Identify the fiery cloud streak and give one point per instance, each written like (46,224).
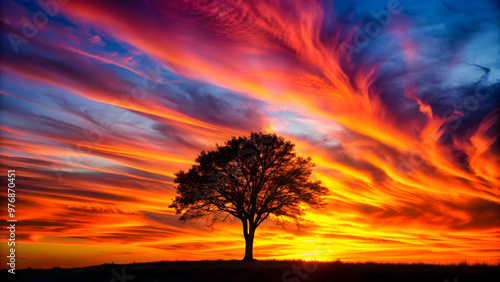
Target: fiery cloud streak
(402,124)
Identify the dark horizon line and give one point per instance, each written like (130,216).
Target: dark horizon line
(338,261)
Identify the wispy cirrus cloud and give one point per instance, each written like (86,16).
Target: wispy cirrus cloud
(404,132)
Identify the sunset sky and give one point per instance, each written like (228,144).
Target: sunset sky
(397,102)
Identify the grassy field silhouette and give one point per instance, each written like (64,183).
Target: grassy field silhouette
(268,270)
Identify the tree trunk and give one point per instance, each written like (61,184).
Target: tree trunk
(248,248)
(249,243)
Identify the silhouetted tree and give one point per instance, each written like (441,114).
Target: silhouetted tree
(251,178)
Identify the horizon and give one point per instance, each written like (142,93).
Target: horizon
(396,102)
(337,261)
